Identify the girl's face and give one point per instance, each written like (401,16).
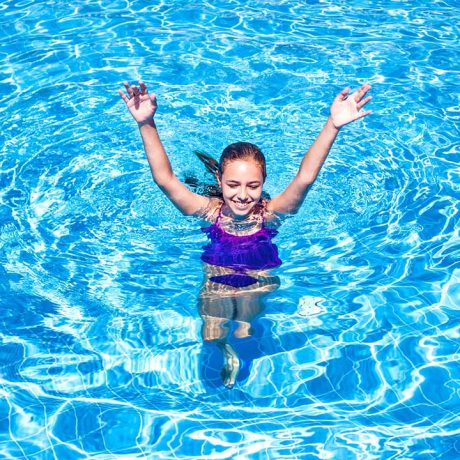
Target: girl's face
(241,183)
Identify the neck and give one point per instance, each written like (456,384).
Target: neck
(227,212)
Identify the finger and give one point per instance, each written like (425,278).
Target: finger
(343,94)
(143,87)
(136,96)
(363,114)
(364,102)
(129,89)
(123,95)
(361,92)
(153,100)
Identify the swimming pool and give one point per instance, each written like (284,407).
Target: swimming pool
(355,355)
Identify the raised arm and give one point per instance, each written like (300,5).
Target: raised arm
(344,110)
(142,107)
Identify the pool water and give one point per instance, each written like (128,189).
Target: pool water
(354,356)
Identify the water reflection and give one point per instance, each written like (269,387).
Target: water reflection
(229,301)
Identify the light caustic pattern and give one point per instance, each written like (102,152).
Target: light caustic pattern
(355,356)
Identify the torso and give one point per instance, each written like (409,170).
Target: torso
(241,246)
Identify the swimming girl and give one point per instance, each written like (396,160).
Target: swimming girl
(240,253)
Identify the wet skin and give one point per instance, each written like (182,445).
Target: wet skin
(241,183)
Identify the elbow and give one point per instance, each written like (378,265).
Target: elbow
(186,211)
(292,210)
(306,180)
(163,180)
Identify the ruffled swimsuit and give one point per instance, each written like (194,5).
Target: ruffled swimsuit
(240,253)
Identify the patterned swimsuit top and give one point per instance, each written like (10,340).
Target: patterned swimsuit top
(255,251)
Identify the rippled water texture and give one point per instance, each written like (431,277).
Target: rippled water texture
(356,354)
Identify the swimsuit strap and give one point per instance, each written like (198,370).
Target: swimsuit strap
(219,215)
(263,205)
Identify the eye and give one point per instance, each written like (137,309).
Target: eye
(254,187)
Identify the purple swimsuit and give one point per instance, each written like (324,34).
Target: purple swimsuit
(241,253)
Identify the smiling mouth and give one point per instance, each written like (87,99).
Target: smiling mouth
(240,205)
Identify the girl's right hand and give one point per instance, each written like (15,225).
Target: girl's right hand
(140,103)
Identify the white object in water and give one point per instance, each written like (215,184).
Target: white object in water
(310,306)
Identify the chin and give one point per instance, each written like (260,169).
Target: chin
(242,212)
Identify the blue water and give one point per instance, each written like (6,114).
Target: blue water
(355,356)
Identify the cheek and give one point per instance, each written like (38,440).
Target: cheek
(255,193)
(227,191)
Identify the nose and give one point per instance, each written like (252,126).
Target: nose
(243,195)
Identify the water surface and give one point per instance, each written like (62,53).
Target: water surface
(355,355)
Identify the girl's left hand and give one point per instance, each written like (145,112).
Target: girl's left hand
(346,109)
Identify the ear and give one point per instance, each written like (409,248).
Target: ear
(219,179)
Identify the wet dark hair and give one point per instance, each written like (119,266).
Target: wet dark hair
(236,151)
(242,151)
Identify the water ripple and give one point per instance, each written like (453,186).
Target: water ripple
(355,355)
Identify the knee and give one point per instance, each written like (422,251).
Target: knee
(243,330)
(214,329)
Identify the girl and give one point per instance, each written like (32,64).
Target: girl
(238,259)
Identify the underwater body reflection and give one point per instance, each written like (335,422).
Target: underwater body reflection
(227,310)
(237,276)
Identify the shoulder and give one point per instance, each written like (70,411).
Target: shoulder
(210,210)
(271,218)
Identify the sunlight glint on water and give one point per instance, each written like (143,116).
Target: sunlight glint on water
(355,355)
